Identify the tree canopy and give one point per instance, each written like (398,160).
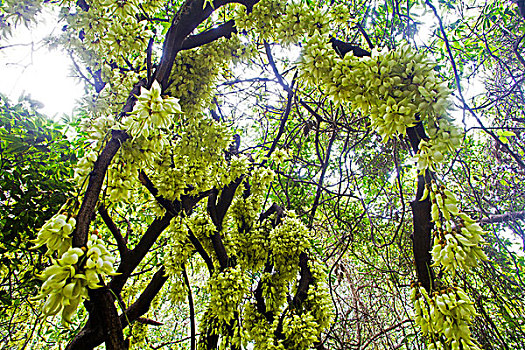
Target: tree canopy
(263,174)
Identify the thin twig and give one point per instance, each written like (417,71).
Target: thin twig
(192,307)
(121,242)
(460,91)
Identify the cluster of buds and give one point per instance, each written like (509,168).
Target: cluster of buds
(227,289)
(318,60)
(55,234)
(119,181)
(428,154)
(446,136)
(444,316)
(444,204)
(98,129)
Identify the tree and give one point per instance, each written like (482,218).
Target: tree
(267,243)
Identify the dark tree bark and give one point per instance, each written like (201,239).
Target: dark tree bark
(422,219)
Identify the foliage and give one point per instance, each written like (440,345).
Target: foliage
(36,158)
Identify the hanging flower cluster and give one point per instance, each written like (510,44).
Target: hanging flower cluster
(457,238)
(151,112)
(287,241)
(227,290)
(84,166)
(64,285)
(112,37)
(298,330)
(443,139)
(395,88)
(67,280)
(446,314)
(97,130)
(301,326)
(56,234)
(195,72)
(444,317)
(252,243)
(288,22)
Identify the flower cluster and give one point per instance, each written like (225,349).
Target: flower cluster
(66,281)
(263,19)
(300,330)
(445,317)
(445,314)
(288,23)
(84,166)
(98,129)
(227,290)
(443,138)
(111,37)
(318,60)
(301,326)
(99,261)
(396,88)
(55,234)
(64,285)
(287,241)
(252,245)
(457,238)
(151,112)
(319,301)
(195,160)
(120,183)
(195,71)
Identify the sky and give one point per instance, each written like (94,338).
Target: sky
(28,67)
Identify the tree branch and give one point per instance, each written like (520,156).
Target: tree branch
(200,249)
(135,256)
(171,207)
(121,242)
(104,314)
(96,178)
(342,48)
(192,308)
(274,68)
(141,306)
(282,125)
(422,219)
(216,239)
(304,282)
(149,321)
(91,337)
(321,178)
(224,30)
(499,218)
(190,15)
